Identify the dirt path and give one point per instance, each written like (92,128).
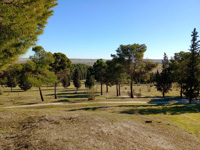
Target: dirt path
(105,102)
(72,104)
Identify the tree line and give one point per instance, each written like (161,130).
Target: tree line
(21,22)
(184,69)
(128,66)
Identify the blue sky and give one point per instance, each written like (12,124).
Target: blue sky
(96,28)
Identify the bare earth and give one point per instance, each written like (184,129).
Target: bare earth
(79,129)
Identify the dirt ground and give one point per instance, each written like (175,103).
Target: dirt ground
(80,128)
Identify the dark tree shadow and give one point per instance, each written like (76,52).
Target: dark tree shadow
(14,91)
(74,96)
(90,108)
(171,109)
(29,103)
(61,101)
(73,90)
(71,95)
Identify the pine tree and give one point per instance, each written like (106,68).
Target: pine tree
(164,79)
(39,70)
(193,69)
(66,81)
(99,71)
(12,75)
(89,79)
(60,67)
(21,22)
(178,65)
(76,79)
(130,56)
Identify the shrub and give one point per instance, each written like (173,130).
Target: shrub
(25,84)
(91,94)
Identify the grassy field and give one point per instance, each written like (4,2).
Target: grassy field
(108,122)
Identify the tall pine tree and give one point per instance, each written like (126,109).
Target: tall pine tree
(99,71)
(164,79)
(90,81)
(76,79)
(178,66)
(130,56)
(192,82)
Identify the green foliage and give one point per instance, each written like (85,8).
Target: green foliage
(21,21)
(178,65)
(164,79)
(66,81)
(115,72)
(82,69)
(11,75)
(40,73)
(144,70)
(76,79)
(91,94)
(41,58)
(131,56)
(61,65)
(24,83)
(192,80)
(99,68)
(2,80)
(90,81)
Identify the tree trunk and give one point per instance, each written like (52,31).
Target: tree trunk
(190,100)
(181,93)
(190,95)
(41,94)
(101,88)
(119,90)
(163,93)
(55,91)
(106,88)
(131,86)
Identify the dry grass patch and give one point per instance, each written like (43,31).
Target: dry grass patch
(89,127)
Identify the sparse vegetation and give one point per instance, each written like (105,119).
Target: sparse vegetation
(102,123)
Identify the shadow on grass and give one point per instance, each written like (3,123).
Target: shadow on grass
(29,103)
(171,109)
(61,101)
(67,93)
(14,91)
(74,90)
(90,108)
(71,95)
(74,96)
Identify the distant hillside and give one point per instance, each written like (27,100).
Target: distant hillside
(88,62)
